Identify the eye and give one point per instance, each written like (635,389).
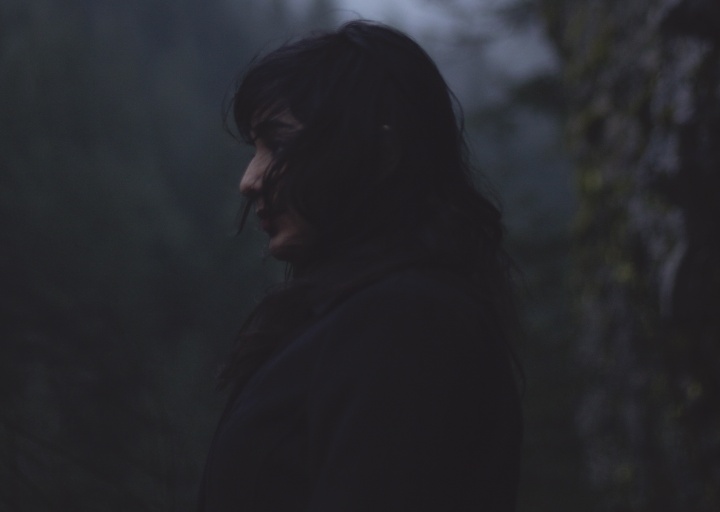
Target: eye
(276,145)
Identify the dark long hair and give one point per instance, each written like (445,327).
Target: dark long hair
(378,167)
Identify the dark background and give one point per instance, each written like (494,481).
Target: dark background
(122,283)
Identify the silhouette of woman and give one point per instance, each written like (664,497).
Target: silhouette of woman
(378,377)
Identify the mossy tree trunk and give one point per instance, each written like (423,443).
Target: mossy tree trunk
(643,79)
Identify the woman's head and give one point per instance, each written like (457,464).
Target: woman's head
(357,138)
(360,167)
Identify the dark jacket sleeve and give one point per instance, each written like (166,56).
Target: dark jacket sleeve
(412,407)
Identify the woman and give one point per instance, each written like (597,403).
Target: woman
(378,378)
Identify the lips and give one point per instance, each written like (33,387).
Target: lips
(264,218)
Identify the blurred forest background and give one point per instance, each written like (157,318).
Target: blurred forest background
(122,283)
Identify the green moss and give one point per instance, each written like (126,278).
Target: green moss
(625,473)
(590,35)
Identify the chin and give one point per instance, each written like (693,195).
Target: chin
(287,252)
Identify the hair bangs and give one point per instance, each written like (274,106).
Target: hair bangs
(256,99)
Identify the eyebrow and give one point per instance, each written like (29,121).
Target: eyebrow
(267,128)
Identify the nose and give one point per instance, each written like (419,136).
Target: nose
(251,182)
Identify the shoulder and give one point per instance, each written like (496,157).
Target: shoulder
(418,294)
(410,322)
(415,340)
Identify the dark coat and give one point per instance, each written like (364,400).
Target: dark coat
(400,398)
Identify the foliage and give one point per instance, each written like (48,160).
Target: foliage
(120,289)
(645,112)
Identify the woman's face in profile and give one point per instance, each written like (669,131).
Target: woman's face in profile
(289,234)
